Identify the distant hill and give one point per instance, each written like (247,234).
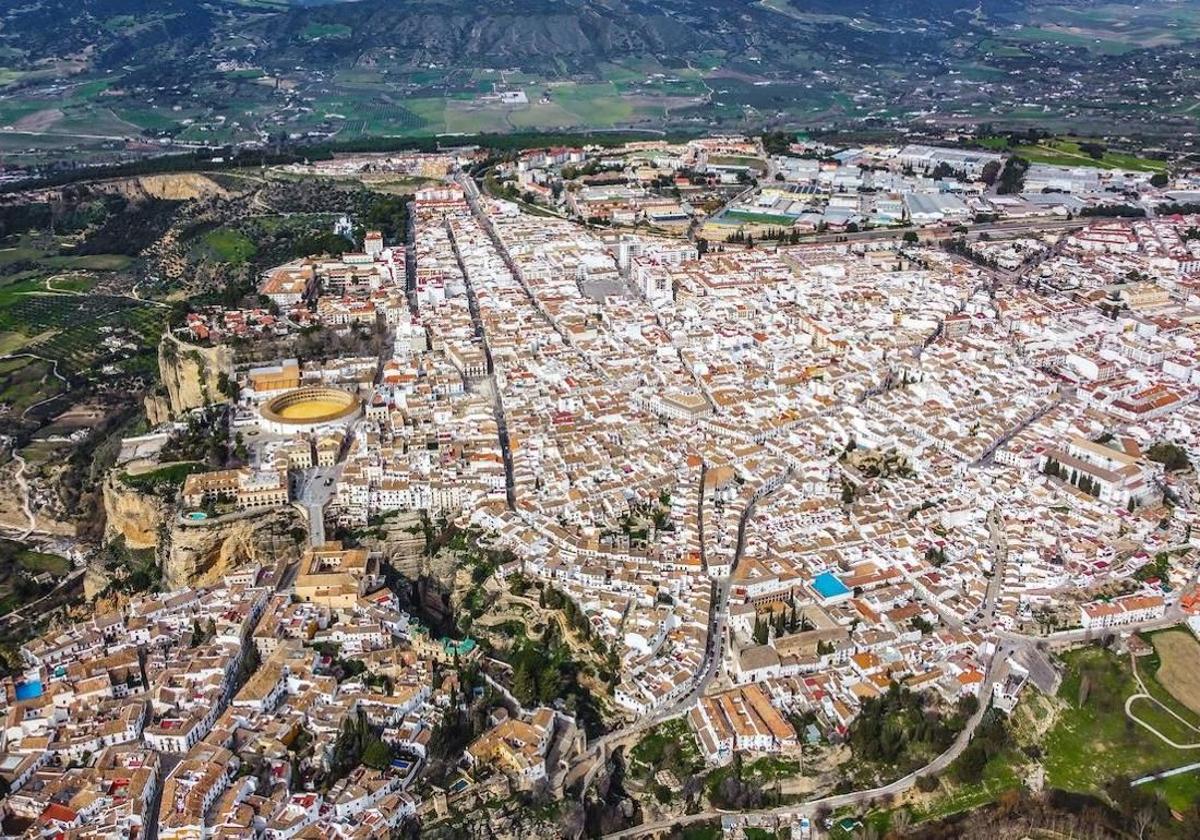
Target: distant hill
(556,36)
(103,72)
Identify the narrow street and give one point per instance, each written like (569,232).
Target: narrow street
(999,545)
(489,385)
(708,671)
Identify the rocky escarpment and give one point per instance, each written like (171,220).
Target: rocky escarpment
(138,517)
(191,553)
(199,554)
(158,410)
(180,186)
(193,376)
(508,821)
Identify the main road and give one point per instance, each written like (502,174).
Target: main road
(313,489)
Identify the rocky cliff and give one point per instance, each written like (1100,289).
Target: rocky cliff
(199,554)
(158,410)
(191,374)
(96,580)
(138,517)
(178,186)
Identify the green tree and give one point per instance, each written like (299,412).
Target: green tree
(1172,456)
(1012,177)
(377,754)
(523,685)
(761,630)
(226,386)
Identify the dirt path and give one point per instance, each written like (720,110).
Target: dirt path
(52,362)
(76,293)
(23,492)
(1143,694)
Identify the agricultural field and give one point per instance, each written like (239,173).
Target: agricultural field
(25,382)
(79,346)
(53,305)
(719,66)
(318,31)
(1179,666)
(360,115)
(1071,37)
(1066,151)
(454,104)
(227,245)
(1118,26)
(592,104)
(89,262)
(77,283)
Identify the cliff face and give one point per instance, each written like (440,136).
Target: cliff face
(135,516)
(179,187)
(158,410)
(192,374)
(193,554)
(198,555)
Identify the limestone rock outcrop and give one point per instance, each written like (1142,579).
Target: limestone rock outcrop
(158,410)
(192,375)
(136,516)
(96,580)
(181,186)
(198,554)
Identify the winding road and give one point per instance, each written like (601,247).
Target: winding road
(1009,643)
(842,800)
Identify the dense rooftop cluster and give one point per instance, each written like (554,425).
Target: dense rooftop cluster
(770,483)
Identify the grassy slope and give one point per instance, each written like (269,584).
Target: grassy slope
(1066,152)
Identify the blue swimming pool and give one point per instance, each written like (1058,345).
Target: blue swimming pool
(828,586)
(30,690)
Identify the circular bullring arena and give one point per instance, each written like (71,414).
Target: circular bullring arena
(309,409)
